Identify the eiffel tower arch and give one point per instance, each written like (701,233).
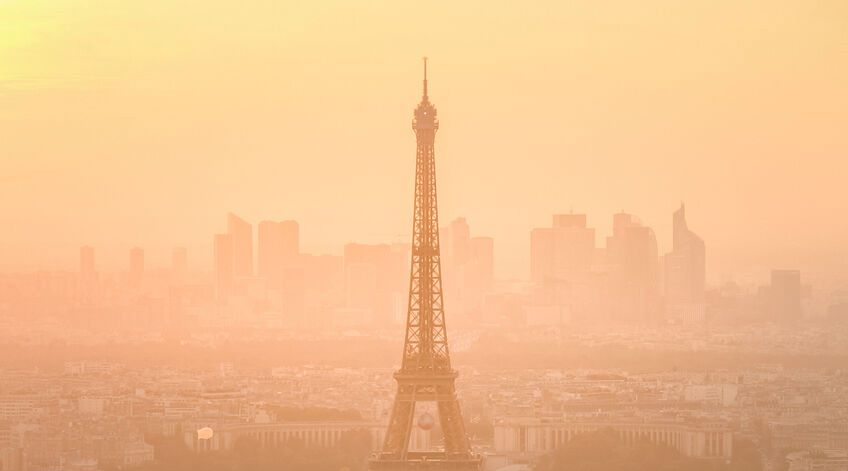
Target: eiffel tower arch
(425,374)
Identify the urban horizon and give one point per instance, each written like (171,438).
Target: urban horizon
(202,260)
(710,335)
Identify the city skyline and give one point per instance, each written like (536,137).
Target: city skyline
(572,281)
(634,117)
(202,259)
(252,251)
(822,264)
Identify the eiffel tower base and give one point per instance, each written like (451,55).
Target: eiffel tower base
(424,461)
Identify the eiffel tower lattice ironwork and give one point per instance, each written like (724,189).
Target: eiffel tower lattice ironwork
(425,374)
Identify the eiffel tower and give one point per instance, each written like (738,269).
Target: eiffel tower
(425,374)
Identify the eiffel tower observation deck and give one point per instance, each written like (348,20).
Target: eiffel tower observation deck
(425,375)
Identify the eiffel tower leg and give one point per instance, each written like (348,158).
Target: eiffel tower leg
(400,425)
(453,428)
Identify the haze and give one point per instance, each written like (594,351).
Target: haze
(222,245)
(142,123)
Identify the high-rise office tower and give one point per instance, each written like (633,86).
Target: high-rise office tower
(563,251)
(634,264)
(280,263)
(561,266)
(469,263)
(223,260)
(278,248)
(542,254)
(136,265)
(241,233)
(685,272)
(425,374)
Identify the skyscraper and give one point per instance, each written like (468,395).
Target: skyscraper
(278,248)
(562,251)
(685,273)
(470,264)
(634,270)
(241,233)
(280,263)
(561,261)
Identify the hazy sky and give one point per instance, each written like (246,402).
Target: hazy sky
(142,123)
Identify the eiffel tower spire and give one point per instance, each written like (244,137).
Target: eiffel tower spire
(424,97)
(425,374)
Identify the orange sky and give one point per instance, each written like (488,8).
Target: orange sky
(143,123)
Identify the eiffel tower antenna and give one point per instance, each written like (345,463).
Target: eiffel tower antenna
(425,78)
(425,374)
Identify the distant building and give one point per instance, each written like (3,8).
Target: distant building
(323,286)
(563,262)
(634,270)
(136,265)
(467,268)
(279,262)
(12,458)
(724,395)
(521,439)
(818,460)
(278,250)
(784,295)
(126,453)
(685,273)
(241,233)
(223,260)
(179,262)
(838,312)
(280,435)
(374,276)
(323,273)
(563,251)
